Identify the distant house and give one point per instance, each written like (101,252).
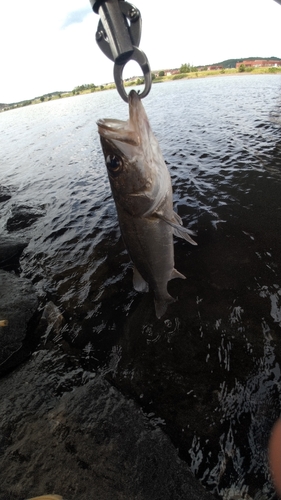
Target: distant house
(214,67)
(259,63)
(209,68)
(169,72)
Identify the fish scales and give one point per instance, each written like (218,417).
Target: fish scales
(142,190)
(148,244)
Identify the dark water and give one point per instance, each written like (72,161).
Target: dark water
(208,372)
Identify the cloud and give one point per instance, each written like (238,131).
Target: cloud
(76,16)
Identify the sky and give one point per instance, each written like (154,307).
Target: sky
(50,46)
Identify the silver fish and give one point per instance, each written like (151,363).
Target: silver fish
(142,190)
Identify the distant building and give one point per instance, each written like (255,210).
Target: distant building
(214,67)
(169,72)
(259,63)
(209,68)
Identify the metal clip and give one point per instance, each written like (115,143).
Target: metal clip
(118,36)
(119,29)
(142,60)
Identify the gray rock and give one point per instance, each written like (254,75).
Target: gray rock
(18,303)
(90,443)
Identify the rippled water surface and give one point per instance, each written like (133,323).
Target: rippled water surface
(208,372)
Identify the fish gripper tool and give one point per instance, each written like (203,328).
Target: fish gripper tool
(118,36)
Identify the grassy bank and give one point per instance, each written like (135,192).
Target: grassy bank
(139,81)
(222,72)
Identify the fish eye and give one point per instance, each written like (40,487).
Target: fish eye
(114,163)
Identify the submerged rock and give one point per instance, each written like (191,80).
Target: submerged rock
(23,216)
(18,303)
(89,443)
(5,194)
(10,252)
(51,322)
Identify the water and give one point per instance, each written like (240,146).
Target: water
(208,372)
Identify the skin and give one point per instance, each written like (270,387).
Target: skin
(274,452)
(47,497)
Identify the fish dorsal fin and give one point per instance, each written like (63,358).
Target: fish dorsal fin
(176,274)
(139,283)
(176,224)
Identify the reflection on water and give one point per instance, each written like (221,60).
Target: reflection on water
(208,372)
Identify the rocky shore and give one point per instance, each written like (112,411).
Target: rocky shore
(64,430)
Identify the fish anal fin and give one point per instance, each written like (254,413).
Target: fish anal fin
(176,274)
(161,305)
(140,285)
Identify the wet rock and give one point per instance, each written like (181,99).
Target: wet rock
(89,443)
(18,302)
(5,194)
(10,252)
(23,216)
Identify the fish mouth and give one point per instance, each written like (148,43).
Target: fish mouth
(117,130)
(129,131)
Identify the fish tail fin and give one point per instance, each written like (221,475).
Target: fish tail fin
(162,303)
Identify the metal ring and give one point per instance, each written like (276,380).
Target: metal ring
(142,60)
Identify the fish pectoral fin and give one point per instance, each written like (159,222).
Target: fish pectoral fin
(177,218)
(176,274)
(161,305)
(179,230)
(182,232)
(140,285)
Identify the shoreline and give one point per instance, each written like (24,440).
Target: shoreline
(163,79)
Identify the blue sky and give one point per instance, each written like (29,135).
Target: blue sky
(49,46)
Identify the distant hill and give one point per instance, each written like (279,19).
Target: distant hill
(29,101)
(231,63)
(51,94)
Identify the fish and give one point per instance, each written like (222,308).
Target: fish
(142,190)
